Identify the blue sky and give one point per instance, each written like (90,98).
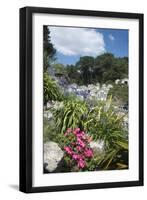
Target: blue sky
(71,43)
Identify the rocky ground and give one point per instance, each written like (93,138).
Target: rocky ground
(53,155)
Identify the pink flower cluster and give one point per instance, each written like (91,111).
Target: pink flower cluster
(77,147)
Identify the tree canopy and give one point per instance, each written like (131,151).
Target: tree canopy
(103,68)
(48,48)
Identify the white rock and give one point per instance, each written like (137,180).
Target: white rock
(110,86)
(52,156)
(97,146)
(70,90)
(48,114)
(49,104)
(125,81)
(117,81)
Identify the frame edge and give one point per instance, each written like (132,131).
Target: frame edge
(25,169)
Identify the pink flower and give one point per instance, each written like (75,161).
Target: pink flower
(89,138)
(73,143)
(80,142)
(81,163)
(79,148)
(88,153)
(74,132)
(80,135)
(75,156)
(83,137)
(69,130)
(68,150)
(77,130)
(66,133)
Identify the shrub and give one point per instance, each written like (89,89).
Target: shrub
(51,89)
(77,149)
(103,123)
(70,114)
(119,93)
(116,157)
(49,130)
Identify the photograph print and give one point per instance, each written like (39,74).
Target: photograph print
(85,99)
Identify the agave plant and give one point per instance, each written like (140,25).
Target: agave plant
(116,157)
(51,89)
(70,114)
(104,124)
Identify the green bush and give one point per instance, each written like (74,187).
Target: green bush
(49,130)
(70,114)
(119,93)
(51,89)
(104,124)
(116,157)
(101,122)
(51,133)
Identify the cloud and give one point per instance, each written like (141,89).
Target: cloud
(77,41)
(111,37)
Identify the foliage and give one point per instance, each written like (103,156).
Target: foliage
(59,69)
(104,68)
(100,123)
(119,93)
(104,124)
(70,115)
(48,49)
(77,149)
(116,157)
(108,68)
(86,64)
(49,130)
(96,120)
(74,74)
(51,89)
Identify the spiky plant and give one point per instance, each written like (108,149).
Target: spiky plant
(70,114)
(51,89)
(104,124)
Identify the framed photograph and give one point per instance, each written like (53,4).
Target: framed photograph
(81,99)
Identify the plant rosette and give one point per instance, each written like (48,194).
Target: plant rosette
(77,149)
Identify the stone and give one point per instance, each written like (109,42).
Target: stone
(102,95)
(47,114)
(97,146)
(52,156)
(117,81)
(110,86)
(125,81)
(48,105)
(70,90)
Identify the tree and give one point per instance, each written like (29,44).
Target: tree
(74,74)
(48,48)
(86,64)
(59,69)
(103,66)
(108,68)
